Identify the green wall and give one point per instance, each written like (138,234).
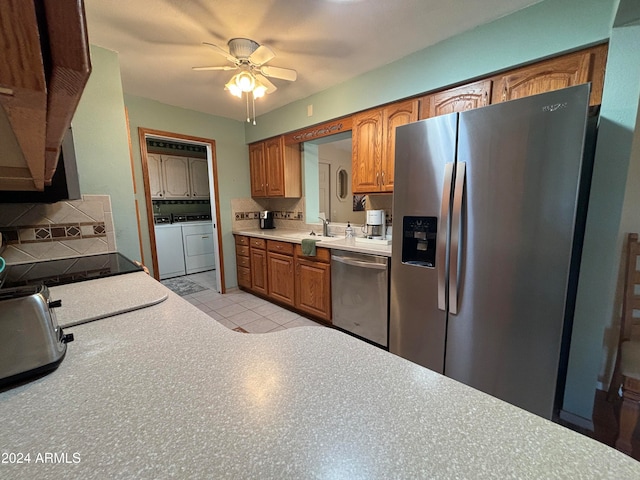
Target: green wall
(542,30)
(231,155)
(102,152)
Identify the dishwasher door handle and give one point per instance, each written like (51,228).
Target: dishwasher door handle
(359,263)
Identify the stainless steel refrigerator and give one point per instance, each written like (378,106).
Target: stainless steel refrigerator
(488,218)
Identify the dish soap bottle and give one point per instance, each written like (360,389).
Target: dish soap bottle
(348,232)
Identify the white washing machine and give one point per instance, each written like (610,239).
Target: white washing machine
(169,248)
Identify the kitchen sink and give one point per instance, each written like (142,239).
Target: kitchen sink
(302,235)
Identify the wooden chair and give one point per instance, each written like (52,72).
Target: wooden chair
(627,369)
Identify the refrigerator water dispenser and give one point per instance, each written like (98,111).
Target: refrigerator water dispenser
(419,241)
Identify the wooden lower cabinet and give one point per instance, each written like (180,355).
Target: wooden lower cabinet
(278,271)
(243,261)
(313,284)
(259,280)
(281,284)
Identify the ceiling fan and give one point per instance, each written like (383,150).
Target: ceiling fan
(250,57)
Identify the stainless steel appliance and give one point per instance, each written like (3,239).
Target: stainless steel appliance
(489,210)
(31,342)
(266,220)
(359,294)
(375,224)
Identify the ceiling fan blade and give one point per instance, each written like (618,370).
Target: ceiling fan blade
(281,73)
(261,55)
(224,67)
(222,52)
(265,81)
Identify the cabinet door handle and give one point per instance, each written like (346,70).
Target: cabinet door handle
(383,178)
(377,180)
(206,236)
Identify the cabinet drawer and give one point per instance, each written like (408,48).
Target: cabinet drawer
(258,243)
(241,240)
(244,277)
(322,254)
(243,261)
(285,248)
(242,251)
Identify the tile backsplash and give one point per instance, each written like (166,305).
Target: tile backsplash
(35,232)
(287,212)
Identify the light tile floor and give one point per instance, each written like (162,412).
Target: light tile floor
(241,309)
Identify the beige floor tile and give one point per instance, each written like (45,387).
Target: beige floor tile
(253,303)
(241,319)
(217,303)
(267,309)
(230,310)
(301,322)
(204,307)
(207,295)
(281,317)
(225,321)
(277,329)
(262,325)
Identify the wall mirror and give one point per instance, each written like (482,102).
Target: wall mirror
(327,180)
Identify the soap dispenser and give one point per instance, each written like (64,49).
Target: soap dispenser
(348,232)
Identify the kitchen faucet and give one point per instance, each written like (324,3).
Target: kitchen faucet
(325,226)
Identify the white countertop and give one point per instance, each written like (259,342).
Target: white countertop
(167,392)
(338,243)
(99,298)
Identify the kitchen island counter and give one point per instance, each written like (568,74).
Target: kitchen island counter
(165,391)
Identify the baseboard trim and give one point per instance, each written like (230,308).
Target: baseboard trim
(577,420)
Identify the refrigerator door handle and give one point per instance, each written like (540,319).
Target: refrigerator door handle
(441,245)
(456,232)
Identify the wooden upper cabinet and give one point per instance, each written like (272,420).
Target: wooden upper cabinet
(256,167)
(276,169)
(274,172)
(561,72)
(373,145)
(458,99)
(394,116)
(366,151)
(44,67)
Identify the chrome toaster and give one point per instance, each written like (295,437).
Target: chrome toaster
(31,341)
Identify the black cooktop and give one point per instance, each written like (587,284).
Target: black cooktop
(69,270)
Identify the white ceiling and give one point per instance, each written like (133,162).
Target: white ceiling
(326,41)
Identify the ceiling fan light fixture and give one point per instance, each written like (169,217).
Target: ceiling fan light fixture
(233,87)
(245,81)
(259,90)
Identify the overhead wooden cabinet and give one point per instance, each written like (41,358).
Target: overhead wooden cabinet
(44,68)
(373,145)
(553,74)
(458,99)
(276,169)
(313,283)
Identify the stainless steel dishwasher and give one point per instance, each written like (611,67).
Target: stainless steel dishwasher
(360,294)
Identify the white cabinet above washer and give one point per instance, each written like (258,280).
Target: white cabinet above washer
(175,177)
